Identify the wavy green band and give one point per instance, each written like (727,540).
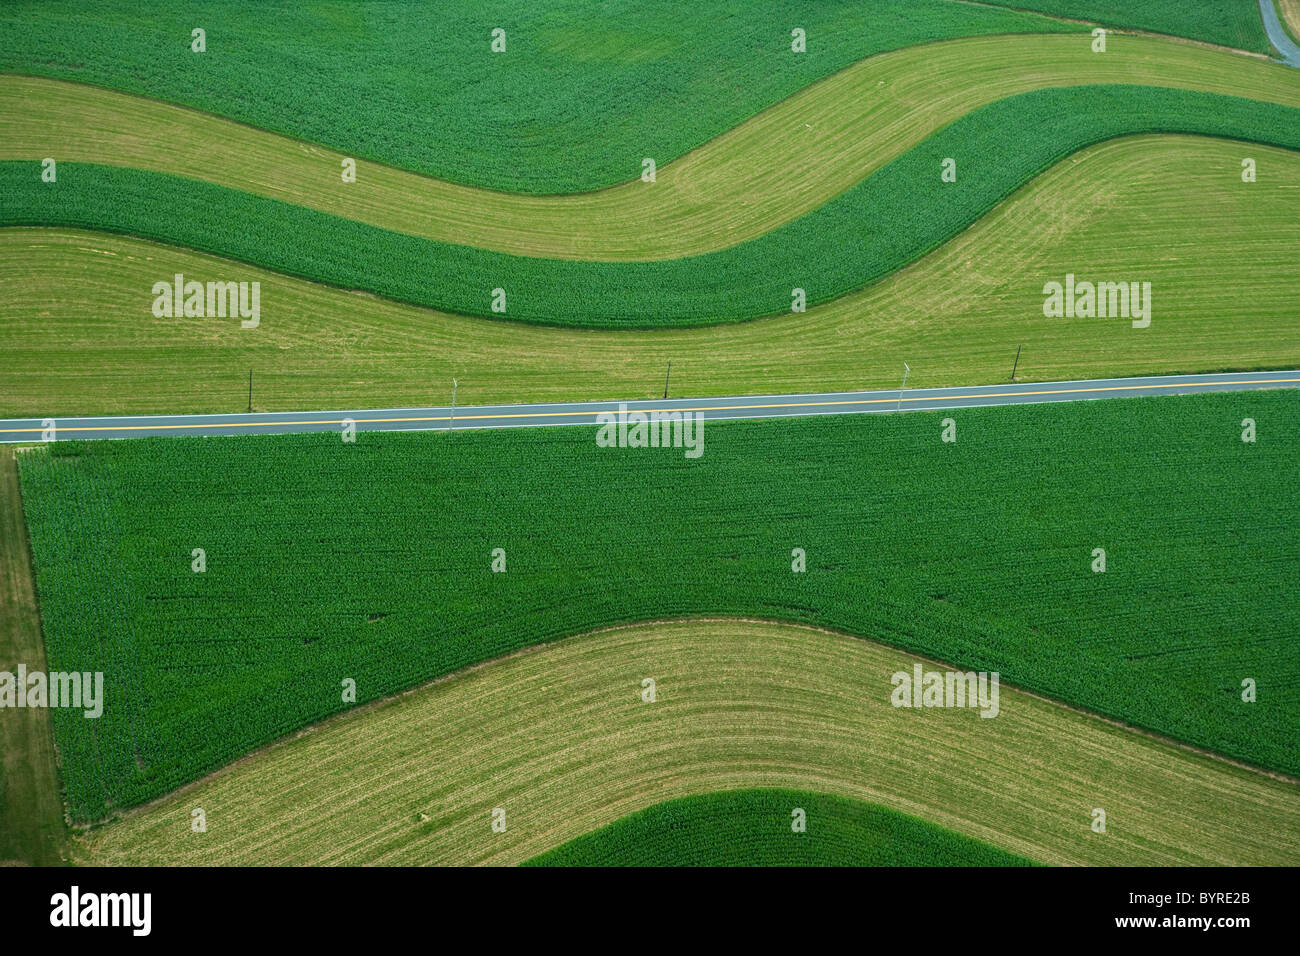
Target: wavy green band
(886,221)
(757,828)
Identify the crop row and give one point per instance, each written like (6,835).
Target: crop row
(373,561)
(579,88)
(888,220)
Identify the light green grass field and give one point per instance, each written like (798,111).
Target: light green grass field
(890,219)
(1233,23)
(203,669)
(80,337)
(771,169)
(581,94)
(1290,11)
(560,739)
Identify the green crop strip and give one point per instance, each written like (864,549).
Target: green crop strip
(888,220)
(1234,23)
(560,738)
(755,828)
(327,560)
(766,172)
(80,340)
(574,103)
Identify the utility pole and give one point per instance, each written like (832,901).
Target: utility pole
(667,377)
(1017,365)
(250,391)
(906,369)
(454,385)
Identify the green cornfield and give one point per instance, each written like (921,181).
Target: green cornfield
(373,561)
(827,253)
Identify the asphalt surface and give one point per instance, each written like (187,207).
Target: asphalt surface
(585,413)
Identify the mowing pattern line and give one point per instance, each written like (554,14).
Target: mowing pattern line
(564,744)
(827,253)
(82,339)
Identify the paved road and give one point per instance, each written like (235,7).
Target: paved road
(584,413)
(1278,35)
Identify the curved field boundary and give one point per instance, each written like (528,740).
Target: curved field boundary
(32,828)
(755,827)
(573,104)
(890,219)
(770,170)
(1290,14)
(80,339)
(1230,23)
(560,739)
(1286,47)
(953,550)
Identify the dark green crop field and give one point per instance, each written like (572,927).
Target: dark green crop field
(373,561)
(573,103)
(755,828)
(1234,23)
(889,219)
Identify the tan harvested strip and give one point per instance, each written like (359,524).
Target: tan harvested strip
(560,739)
(32,829)
(777,166)
(79,337)
(470,417)
(1290,10)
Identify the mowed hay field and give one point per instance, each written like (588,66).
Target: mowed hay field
(772,827)
(828,253)
(768,171)
(572,104)
(80,337)
(560,739)
(32,830)
(369,567)
(374,560)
